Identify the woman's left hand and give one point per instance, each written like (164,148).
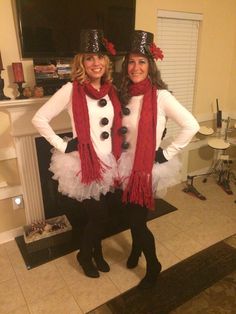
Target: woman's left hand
(159,157)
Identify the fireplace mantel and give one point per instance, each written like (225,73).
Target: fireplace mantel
(21,113)
(23,132)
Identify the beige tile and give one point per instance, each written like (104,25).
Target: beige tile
(125,278)
(11,297)
(182,219)
(227,209)
(60,301)
(17,262)
(117,247)
(194,226)
(20,310)
(11,247)
(163,230)
(208,234)
(90,293)
(165,256)
(182,245)
(69,268)
(7,271)
(40,281)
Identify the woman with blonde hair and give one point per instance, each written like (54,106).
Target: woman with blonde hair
(85,166)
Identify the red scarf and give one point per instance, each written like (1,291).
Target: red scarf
(92,167)
(139,187)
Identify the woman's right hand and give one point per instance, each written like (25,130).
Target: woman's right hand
(72,145)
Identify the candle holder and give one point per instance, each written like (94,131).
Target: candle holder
(2,96)
(20,90)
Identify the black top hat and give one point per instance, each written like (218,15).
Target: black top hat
(142,43)
(93,41)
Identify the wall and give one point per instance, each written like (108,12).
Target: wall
(215,70)
(217,50)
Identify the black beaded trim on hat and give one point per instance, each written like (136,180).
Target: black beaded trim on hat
(141,41)
(91,41)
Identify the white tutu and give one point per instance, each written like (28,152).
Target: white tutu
(67,171)
(164,175)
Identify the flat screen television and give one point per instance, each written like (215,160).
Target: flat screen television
(51,28)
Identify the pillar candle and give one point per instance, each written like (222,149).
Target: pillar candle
(1,65)
(18,72)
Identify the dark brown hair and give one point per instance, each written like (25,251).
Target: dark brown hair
(153,73)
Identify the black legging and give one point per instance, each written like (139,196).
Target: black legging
(141,235)
(97,216)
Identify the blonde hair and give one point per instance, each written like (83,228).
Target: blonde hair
(78,71)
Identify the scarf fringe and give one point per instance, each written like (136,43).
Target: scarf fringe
(91,166)
(139,190)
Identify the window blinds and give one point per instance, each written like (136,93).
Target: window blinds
(178,38)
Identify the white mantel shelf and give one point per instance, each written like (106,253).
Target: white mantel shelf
(14,103)
(23,132)
(22,111)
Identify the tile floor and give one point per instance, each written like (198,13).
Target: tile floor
(60,286)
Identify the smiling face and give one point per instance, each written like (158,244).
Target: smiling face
(137,67)
(95,67)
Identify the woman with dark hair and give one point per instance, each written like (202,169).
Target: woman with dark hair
(144,166)
(85,166)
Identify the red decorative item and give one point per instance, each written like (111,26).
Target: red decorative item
(18,72)
(156,52)
(109,46)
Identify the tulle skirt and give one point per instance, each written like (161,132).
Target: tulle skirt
(164,175)
(66,169)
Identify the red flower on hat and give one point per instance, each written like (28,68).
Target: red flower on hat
(109,46)
(156,52)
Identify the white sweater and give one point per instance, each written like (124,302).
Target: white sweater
(167,108)
(62,100)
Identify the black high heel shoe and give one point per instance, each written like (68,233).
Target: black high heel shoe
(88,267)
(132,261)
(100,262)
(150,279)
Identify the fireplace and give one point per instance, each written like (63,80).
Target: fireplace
(41,198)
(25,137)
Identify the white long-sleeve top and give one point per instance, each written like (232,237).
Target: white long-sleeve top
(62,100)
(168,107)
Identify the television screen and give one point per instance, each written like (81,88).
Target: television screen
(51,28)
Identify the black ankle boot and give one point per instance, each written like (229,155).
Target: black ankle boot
(150,279)
(88,267)
(132,261)
(100,262)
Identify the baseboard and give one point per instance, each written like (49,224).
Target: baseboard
(10,235)
(199,171)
